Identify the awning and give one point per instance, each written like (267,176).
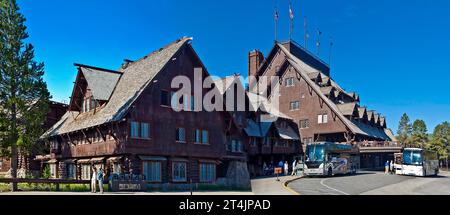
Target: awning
(152,158)
(97,160)
(179,159)
(288,133)
(70,161)
(83,161)
(52,161)
(114,159)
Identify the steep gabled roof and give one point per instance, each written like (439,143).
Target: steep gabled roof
(348,108)
(287,133)
(257,129)
(258,102)
(101,82)
(327,90)
(362,111)
(135,78)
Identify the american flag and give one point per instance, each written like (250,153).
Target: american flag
(276,14)
(291,13)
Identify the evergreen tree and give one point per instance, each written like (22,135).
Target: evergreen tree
(419,136)
(23,92)
(440,141)
(404,129)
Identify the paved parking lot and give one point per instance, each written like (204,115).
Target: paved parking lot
(373,183)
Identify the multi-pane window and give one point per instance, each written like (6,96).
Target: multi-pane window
(165,98)
(86,171)
(201,136)
(180,135)
(205,137)
(140,130)
(179,171)
(207,172)
(116,168)
(89,103)
(322,118)
(152,170)
(71,170)
(145,127)
(289,82)
(304,123)
(294,105)
(236,146)
(134,129)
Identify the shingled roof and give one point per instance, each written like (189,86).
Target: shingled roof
(135,78)
(356,127)
(101,82)
(347,108)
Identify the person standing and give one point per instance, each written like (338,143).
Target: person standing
(391,167)
(286,168)
(100,178)
(386,167)
(294,165)
(94,180)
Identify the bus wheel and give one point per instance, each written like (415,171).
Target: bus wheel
(330,172)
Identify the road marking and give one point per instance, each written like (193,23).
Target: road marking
(285,185)
(322,183)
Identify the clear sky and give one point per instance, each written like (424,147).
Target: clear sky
(395,54)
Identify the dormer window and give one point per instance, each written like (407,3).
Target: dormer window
(89,104)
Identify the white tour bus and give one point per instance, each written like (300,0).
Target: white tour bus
(329,158)
(417,162)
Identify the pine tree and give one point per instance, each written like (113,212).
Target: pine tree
(404,129)
(419,136)
(440,141)
(23,92)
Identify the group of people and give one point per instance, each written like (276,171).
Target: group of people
(97,176)
(269,169)
(389,167)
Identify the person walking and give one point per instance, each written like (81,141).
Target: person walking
(100,178)
(294,165)
(286,168)
(94,180)
(386,167)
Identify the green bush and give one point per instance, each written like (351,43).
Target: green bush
(46,174)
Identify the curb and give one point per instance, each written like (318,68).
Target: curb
(285,185)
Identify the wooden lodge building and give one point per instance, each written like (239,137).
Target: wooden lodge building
(123,121)
(322,109)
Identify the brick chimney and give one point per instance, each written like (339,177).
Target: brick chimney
(255,59)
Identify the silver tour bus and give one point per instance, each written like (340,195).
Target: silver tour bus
(329,158)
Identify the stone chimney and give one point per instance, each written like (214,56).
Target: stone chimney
(255,59)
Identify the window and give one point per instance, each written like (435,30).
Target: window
(322,118)
(304,123)
(192,103)
(152,170)
(307,140)
(198,136)
(207,172)
(289,82)
(165,98)
(179,171)
(86,171)
(295,105)
(145,128)
(116,168)
(71,170)
(253,141)
(236,146)
(180,135)
(134,129)
(205,137)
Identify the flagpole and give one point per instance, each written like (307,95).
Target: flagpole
(306,32)
(291,18)
(331,46)
(318,42)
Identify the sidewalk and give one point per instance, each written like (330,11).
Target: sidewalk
(269,186)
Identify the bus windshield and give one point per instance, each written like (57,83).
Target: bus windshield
(315,152)
(412,157)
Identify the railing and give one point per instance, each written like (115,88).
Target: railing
(378,144)
(57,182)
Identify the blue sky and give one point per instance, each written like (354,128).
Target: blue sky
(395,54)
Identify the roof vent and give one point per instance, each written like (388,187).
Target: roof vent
(126,62)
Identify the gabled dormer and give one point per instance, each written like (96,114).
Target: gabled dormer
(92,88)
(349,110)
(371,117)
(363,114)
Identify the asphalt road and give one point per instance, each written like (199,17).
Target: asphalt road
(373,183)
